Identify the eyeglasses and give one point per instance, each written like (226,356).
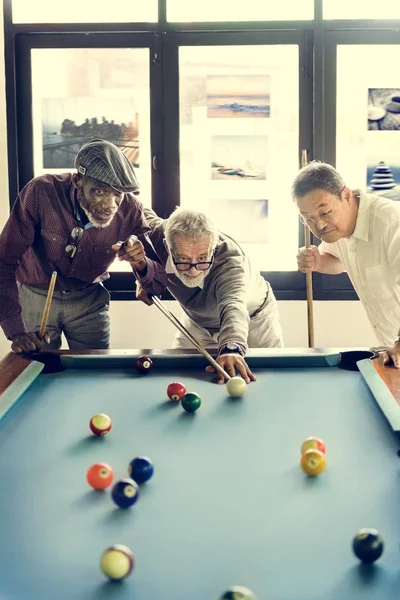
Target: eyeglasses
(76,235)
(199,266)
(325,216)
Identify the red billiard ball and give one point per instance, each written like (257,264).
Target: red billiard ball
(100,424)
(176,391)
(144,364)
(100,476)
(313,443)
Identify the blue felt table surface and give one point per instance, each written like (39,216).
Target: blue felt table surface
(228,503)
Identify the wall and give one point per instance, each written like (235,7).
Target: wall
(134,325)
(337,324)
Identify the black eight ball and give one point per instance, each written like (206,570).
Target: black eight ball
(368,545)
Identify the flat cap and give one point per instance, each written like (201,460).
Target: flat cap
(104,161)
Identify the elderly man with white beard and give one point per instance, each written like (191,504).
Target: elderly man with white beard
(74,224)
(227,305)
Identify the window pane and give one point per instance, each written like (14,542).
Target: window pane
(251,10)
(88,11)
(239,116)
(91,93)
(345,9)
(368,118)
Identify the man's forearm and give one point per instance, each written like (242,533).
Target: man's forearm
(154,279)
(330,265)
(234,325)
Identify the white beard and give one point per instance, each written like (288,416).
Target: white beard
(189,282)
(94,221)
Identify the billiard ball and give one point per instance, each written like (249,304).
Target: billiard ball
(176,391)
(313,443)
(100,424)
(191,402)
(117,562)
(144,364)
(238,592)
(141,469)
(125,492)
(313,462)
(368,545)
(100,476)
(236,387)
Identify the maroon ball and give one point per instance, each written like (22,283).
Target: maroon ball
(144,364)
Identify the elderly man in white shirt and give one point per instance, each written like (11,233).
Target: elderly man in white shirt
(360,234)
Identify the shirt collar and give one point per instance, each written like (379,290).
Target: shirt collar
(169,269)
(361,230)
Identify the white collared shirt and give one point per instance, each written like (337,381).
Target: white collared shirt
(371,257)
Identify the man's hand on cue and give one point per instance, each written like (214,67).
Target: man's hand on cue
(132,250)
(393,354)
(142,295)
(27,342)
(232,363)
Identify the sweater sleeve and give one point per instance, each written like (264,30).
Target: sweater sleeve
(231,284)
(15,239)
(154,282)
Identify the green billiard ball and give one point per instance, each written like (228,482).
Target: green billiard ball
(191,402)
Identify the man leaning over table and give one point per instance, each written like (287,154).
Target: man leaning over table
(228,306)
(74,224)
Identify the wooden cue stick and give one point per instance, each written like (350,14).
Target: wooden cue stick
(46,310)
(187,333)
(309,284)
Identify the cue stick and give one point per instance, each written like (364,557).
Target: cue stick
(309,284)
(189,336)
(46,310)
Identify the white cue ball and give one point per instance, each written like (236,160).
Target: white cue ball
(236,387)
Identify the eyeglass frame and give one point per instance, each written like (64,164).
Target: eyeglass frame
(313,220)
(194,265)
(76,234)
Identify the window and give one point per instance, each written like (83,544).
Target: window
(368,118)
(239,136)
(360,9)
(93,92)
(213,101)
(88,11)
(251,10)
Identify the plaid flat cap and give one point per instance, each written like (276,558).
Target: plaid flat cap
(102,160)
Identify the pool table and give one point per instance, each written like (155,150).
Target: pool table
(228,503)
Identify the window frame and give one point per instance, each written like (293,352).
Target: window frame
(317,124)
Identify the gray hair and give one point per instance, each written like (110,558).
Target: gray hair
(190,224)
(317,176)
